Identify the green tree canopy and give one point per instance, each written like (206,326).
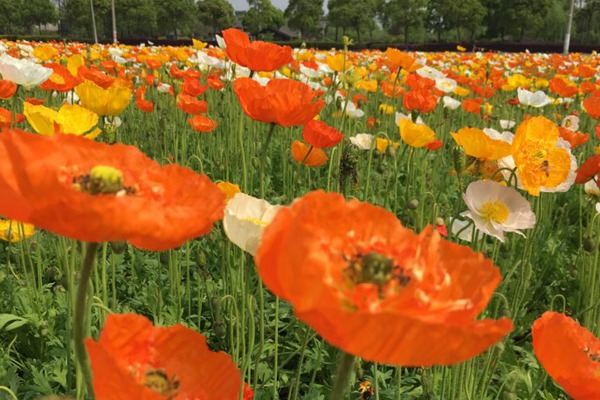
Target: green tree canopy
(262,15)
(304,15)
(218,14)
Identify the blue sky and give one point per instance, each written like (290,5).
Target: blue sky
(282,4)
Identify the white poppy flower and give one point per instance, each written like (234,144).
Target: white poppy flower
(450,103)
(507,124)
(245,219)
(464,230)
(352,111)
(23,72)
(400,116)
(445,85)
(221,42)
(495,209)
(571,122)
(533,99)
(363,141)
(591,188)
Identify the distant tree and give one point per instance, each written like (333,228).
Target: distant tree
(218,14)
(459,15)
(175,16)
(304,15)
(357,14)
(398,16)
(262,15)
(10,16)
(515,17)
(434,20)
(135,18)
(77,18)
(37,13)
(586,21)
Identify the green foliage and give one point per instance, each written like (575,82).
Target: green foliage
(262,15)
(218,14)
(304,15)
(357,14)
(398,16)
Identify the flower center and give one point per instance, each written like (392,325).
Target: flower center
(256,221)
(158,381)
(495,211)
(376,269)
(102,180)
(57,78)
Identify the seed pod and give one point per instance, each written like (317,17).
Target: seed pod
(413,204)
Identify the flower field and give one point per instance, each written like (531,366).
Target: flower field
(255,221)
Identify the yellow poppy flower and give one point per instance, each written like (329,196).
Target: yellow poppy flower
(416,135)
(386,109)
(74,62)
(336,62)
(14,231)
(111,101)
(368,85)
(199,44)
(70,119)
(478,144)
(543,162)
(382,144)
(461,91)
(45,52)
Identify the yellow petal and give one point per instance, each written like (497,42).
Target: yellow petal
(40,118)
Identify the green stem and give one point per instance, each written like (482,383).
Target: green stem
(342,377)
(80,314)
(263,156)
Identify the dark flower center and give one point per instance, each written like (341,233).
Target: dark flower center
(376,269)
(158,381)
(102,180)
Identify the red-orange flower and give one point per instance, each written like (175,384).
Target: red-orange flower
(285,102)
(374,288)
(319,134)
(141,102)
(7,89)
(193,87)
(472,105)
(135,360)
(258,56)
(201,123)
(311,157)
(421,100)
(215,82)
(191,105)
(6,118)
(575,139)
(592,106)
(569,353)
(94,192)
(61,80)
(95,75)
(589,169)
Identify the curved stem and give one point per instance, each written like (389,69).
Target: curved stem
(80,314)
(342,377)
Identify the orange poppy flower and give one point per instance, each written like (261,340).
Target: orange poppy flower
(61,80)
(592,106)
(108,65)
(472,105)
(191,105)
(589,169)
(376,289)
(193,87)
(396,59)
(258,56)
(569,353)
(588,87)
(7,89)
(416,82)
(320,135)
(561,88)
(388,87)
(135,360)
(34,101)
(309,156)
(141,102)
(201,123)
(176,72)
(94,192)
(6,118)
(285,102)
(215,82)
(421,100)
(575,139)
(95,75)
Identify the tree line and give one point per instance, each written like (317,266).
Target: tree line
(364,20)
